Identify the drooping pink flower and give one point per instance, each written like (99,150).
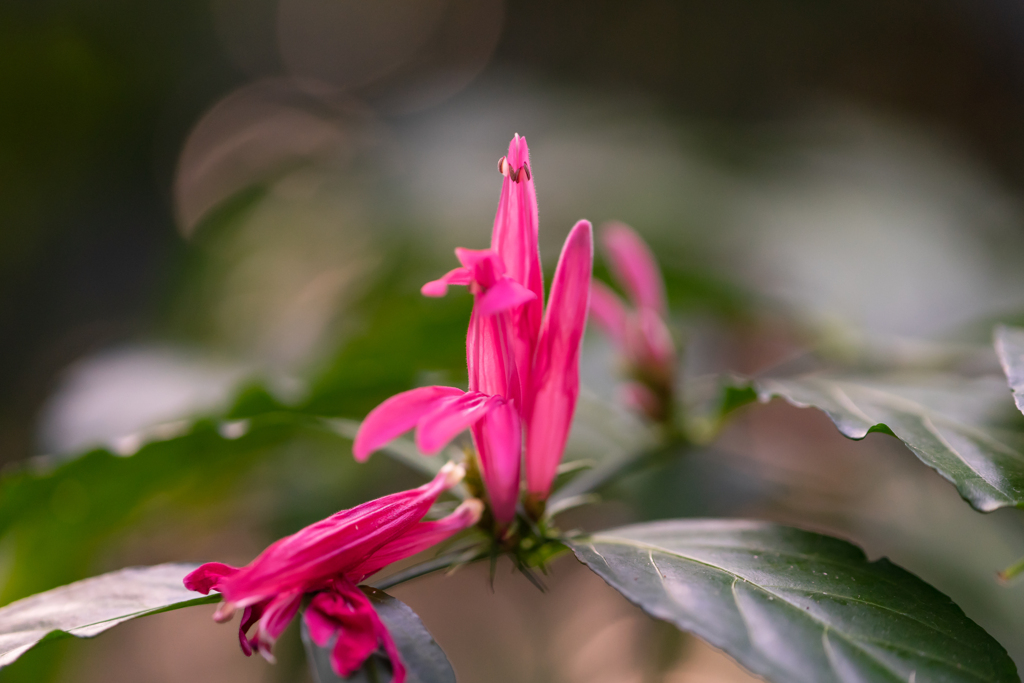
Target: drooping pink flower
(332,556)
(555,376)
(638,331)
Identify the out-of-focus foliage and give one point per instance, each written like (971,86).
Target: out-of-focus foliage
(958,426)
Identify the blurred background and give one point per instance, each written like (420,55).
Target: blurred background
(216,215)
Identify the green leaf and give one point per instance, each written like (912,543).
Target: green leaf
(57,515)
(951,424)
(794,606)
(86,608)
(424,660)
(1010,348)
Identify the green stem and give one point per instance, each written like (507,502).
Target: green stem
(443,562)
(1013,570)
(613,469)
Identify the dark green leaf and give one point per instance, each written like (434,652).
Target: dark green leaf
(425,662)
(1010,347)
(86,608)
(795,606)
(951,424)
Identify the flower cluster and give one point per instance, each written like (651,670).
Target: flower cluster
(523,364)
(522,357)
(638,331)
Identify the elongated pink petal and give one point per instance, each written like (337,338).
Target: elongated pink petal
(498,439)
(556,380)
(634,266)
(608,311)
(489,355)
(451,417)
(276,617)
(397,415)
(503,295)
(250,617)
(420,537)
(515,238)
(334,546)
(439,287)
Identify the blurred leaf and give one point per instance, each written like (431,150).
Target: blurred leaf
(953,425)
(403,339)
(87,608)
(424,660)
(794,606)
(59,514)
(1010,348)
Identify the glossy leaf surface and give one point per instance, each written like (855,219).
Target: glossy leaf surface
(954,425)
(794,606)
(425,662)
(1010,348)
(87,608)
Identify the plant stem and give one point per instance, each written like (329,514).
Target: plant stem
(1013,570)
(424,568)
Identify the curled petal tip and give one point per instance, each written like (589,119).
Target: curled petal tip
(473,509)
(225,611)
(434,288)
(453,473)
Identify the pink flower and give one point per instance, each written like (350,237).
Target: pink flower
(639,331)
(488,408)
(555,376)
(515,238)
(523,362)
(332,556)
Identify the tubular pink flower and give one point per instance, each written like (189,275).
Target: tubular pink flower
(640,332)
(498,440)
(495,422)
(634,266)
(555,375)
(522,363)
(609,311)
(515,238)
(341,550)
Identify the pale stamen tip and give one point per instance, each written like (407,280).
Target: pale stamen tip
(224,612)
(472,508)
(453,473)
